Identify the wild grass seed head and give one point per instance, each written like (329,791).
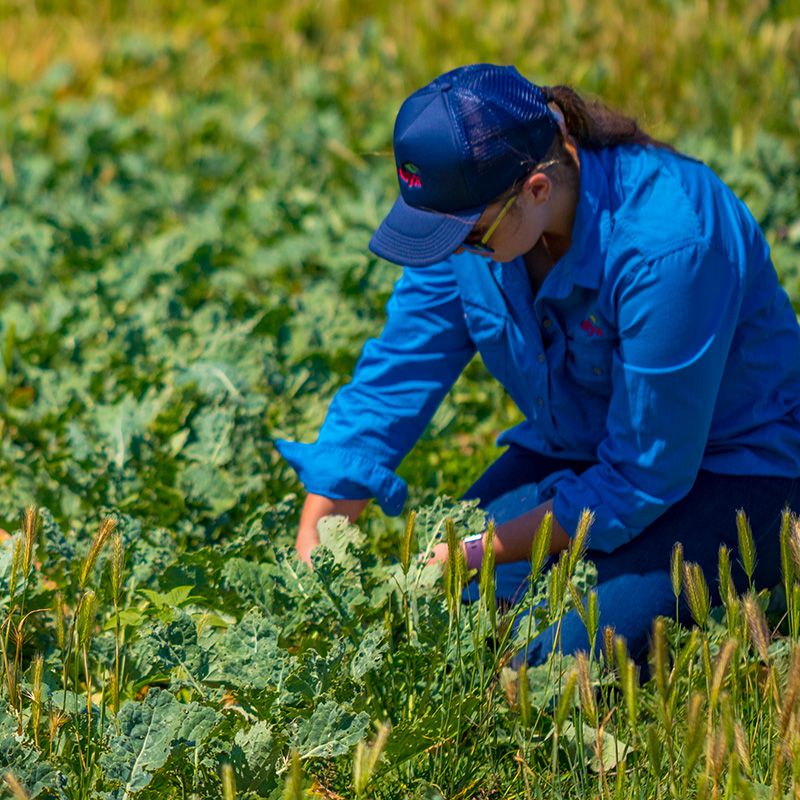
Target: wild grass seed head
(508,683)
(228,782)
(747,545)
(676,568)
(15,787)
(742,748)
(366,757)
(660,658)
(455,570)
(577,548)
(30,531)
(792,693)
(36,695)
(107,527)
(566,698)
(654,748)
(630,691)
(757,626)
(697,595)
(540,546)
(592,616)
(408,537)
(577,602)
(608,646)
(724,657)
(724,572)
(61,625)
(788,560)
(794,541)
(585,690)
(117,568)
(87,610)
(695,731)
(293,788)
(486,581)
(16,566)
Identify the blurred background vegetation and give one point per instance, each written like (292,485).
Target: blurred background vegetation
(291,105)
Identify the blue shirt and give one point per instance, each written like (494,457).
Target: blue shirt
(660,344)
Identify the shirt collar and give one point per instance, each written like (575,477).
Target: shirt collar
(583,263)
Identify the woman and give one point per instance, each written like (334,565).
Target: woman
(624,297)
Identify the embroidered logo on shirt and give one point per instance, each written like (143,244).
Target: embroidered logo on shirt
(409,174)
(590,326)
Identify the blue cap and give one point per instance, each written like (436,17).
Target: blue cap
(459,143)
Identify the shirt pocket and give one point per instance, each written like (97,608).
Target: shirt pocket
(588,363)
(488,331)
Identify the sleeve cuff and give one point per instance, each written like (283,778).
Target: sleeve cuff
(570,496)
(342,473)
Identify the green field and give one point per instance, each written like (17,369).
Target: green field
(187,190)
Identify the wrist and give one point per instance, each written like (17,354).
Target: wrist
(473,551)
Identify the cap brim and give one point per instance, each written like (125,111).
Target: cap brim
(417,238)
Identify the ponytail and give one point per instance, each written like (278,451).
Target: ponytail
(594,125)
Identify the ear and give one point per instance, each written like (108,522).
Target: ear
(538,187)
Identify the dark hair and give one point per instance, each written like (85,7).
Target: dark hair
(594,125)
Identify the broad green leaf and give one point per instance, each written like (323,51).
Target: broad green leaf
(144,742)
(330,731)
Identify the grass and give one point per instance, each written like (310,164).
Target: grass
(718,715)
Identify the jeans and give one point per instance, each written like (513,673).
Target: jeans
(633,582)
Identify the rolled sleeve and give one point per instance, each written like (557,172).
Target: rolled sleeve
(399,381)
(677,317)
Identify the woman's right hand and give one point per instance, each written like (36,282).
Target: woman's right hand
(314,509)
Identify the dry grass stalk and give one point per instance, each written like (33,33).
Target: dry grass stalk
(366,758)
(524,696)
(108,526)
(757,626)
(15,787)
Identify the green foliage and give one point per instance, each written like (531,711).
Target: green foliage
(186,194)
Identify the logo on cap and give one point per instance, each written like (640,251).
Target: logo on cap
(409,174)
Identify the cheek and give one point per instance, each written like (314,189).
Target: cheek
(525,230)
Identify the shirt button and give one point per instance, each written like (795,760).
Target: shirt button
(540,358)
(597,371)
(539,401)
(547,322)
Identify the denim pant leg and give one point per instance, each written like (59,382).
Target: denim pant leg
(633,582)
(508,488)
